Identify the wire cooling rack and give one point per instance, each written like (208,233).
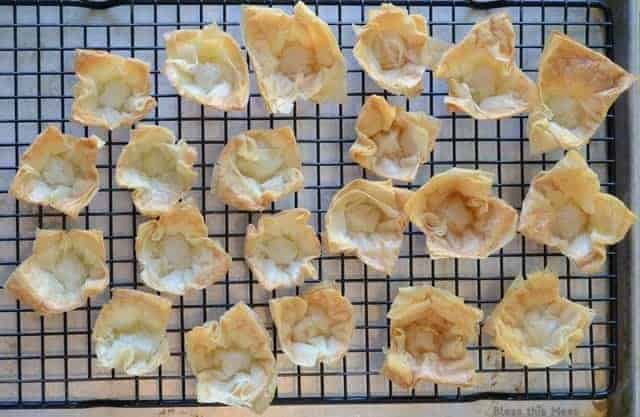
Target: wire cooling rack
(50,362)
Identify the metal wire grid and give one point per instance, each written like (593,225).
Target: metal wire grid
(50,362)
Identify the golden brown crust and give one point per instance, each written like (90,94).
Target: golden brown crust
(280,250)
(430,329)
(576,87)
(534,325)
(130,332)
(176,253)
(157,168)
(112,91)
(366,218)
(294,56)
(484,80)
(315,327)
(395,49)
(258,167)
(391,142)
(207,65)
(58,171)
(460,217)
(232,360)
(565,209)
(65,269)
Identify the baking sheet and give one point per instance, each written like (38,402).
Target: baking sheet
(52,357)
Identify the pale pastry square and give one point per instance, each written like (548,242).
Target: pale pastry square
(459,215)
(576,87)
(430,331)
(394,48)
(294,56)
(58,171)
(207,66)
(258,167)
(64,270)
(534,325)
(158,169)
(484,80)
(391,142)
(232,360)
(366,219)
(112,90)
(314,327)
(176,254)
(130,333)
(280,249)
(565,209)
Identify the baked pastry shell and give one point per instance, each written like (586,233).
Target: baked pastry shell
(94,68)
(126,324)
(447,325)
(565,209)
(151,141)
(237,188)
(184,222)
(395,34)
(28,282)
(535,306)
(576,87)
(225,52)
(293,226)
(237,332)
(278,43)
(415,137)
(484,80)
(82,153)
(459,216)
(377,201)
(321,306)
